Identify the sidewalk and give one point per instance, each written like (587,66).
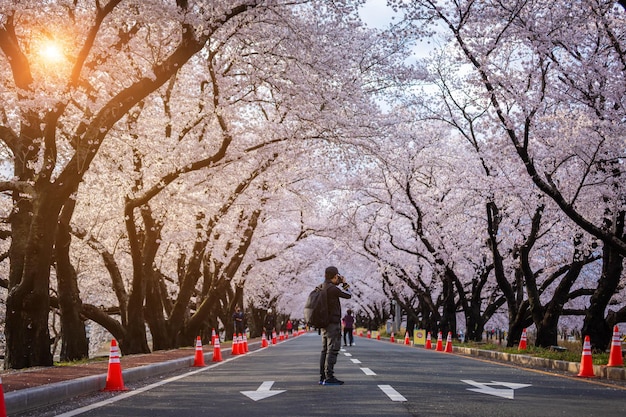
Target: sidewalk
(33,388)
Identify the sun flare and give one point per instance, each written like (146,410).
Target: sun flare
(51,52)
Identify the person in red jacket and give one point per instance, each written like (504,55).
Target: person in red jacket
(331,334)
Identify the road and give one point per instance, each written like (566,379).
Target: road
(382,379)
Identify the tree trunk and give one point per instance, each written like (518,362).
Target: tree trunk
(162,338)
(74,343)
(474,324)
(135,340)
(595,325)
(28,302)
(448,317)
(547,331)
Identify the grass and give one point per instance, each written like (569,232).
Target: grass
(573,352)
(82,361)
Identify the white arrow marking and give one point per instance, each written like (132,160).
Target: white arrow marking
(262,392)
(391,393)
(486,388)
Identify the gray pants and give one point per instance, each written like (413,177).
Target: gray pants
(331,343)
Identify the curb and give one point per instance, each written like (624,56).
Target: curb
(600,371)
(45,395)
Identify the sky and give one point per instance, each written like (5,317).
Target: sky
(377,14)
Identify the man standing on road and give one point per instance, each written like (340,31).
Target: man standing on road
(238,320)
(331,335)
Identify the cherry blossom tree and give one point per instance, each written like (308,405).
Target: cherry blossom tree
(63,116)
(554,76)
(271,72)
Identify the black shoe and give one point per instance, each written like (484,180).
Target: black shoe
(321,380)
(333,381)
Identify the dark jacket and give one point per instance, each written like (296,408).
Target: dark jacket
(348,321)
(333,294)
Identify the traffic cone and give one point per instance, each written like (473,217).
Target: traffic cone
(245,344)
(264,340)
(235,346)
(114,381)
(369,334)
(392,339)
(586,361)
(213,336)
(429,343)
(281,336)
(273,337)
(615,357)
(217,353)
(242,348)
(3,409)
(407,341)
(522,342)
(449,343)
(199,358)
(439,343)
(378,336)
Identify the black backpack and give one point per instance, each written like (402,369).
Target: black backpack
(316,308)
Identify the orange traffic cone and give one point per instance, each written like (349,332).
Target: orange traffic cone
(615,357)
(407,341)
(378,336)
(392,339)
(3,409)
(274,337)
(429,343)
(439,343)
(242,348)
(281,336)
(213,336)
(369,334)
(235,346)
(217,353)
(522,342)
(199,358)
(114,380)
(245,344)
(586,361)
(264,342)
(449,343)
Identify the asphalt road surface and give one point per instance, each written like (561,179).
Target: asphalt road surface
(381,379)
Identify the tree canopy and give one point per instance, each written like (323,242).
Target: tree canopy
(164,161)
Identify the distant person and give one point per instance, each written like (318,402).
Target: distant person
(269,324)
(238,317)
(331,335)
(348,327)
(289,327)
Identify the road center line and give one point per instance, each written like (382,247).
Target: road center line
(391,393)
(368,371)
